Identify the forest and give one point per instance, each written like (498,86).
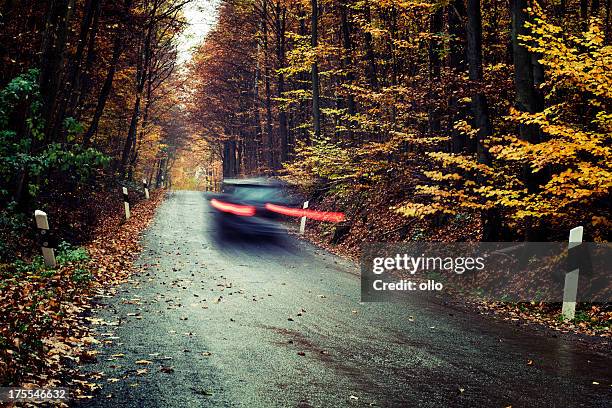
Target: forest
(87,104)
(415,120)
(498,111)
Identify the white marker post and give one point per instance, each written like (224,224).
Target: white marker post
(146,188)
(42,223)
(126,203)
(303,220)
(570,288)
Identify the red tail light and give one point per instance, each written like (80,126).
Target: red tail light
(312,214)
(236,209)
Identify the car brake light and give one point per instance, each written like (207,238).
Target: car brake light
(236,209)
(312,214)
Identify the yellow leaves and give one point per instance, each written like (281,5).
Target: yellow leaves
(418,210)
(439,176)
(574,61)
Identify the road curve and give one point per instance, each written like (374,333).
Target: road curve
(214,323)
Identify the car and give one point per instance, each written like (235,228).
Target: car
(243,205)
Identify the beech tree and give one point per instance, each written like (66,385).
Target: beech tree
(67,91)
(417,98)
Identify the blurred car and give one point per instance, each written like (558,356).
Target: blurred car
(242,206)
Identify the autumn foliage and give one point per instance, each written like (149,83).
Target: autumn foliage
(440,105)
(44,312)
(86,104)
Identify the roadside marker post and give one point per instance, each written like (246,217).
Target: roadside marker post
(570,289)
(303,220)
(42,223)
(146,188)
(126,203)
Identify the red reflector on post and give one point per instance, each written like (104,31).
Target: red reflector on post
(312,214)
(236,209)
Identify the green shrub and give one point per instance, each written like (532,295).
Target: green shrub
(68,253)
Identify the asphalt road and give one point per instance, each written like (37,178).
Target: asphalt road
(254,323)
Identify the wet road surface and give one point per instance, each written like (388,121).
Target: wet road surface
(255,323)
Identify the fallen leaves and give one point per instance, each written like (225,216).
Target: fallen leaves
(47,308)
(166,369)
(383,225)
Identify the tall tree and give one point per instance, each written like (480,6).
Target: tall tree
(314,39)
(480,108)
(281,19)
(435,65)
(118,43)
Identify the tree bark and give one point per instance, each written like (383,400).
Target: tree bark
(84,80)
(282,114)
(457,62)
(479,100)
(316,112)
(584,14)
(347,44)
(595,8)
(53,46)
(267,90)
(108,81)
(528,98)
(435,48)
(74,72)
(608,21)
(142,73)
(370,55)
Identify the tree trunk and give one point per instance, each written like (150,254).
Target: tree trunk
(584,14)
(142,73)
(347,65)
(479,100)
(282,114)
(84,80)
(347,44)
(527,96)
(608,21)
(457,62)
(316,112)
(435,48)
(53,46)
(369,50)
(229,159)
(74,72)
(268,94)
(595,8)
(108,81)
(257,118)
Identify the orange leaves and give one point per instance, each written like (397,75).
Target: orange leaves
(41,313)
(568,168)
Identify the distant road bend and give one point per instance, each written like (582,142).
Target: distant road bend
(279,324)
